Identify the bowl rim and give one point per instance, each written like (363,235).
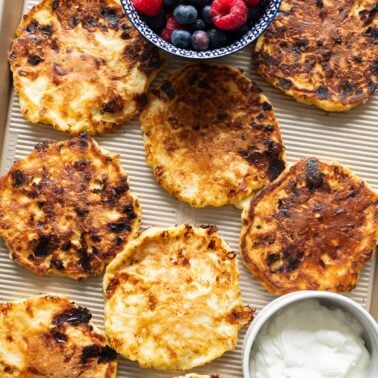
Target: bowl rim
(279,303)
(234,47)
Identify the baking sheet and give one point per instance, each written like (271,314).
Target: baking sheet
(351,138)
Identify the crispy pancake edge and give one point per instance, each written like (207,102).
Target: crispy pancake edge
(158,105)
(65,328)
(247,222)
(240,316)
(79,273)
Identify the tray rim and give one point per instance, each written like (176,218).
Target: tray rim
(8,22)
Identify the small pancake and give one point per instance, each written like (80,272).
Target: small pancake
(67,209)
(173,299)
(314,228)
(48,336)
(80,66)
(211,136)
(322,52)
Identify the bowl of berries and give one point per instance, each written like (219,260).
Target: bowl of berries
(201,29)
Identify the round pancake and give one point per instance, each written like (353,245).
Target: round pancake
(322,52)
(80,65)
(173,298)
(67,209)
(314,228)
(51,337)
(211,136)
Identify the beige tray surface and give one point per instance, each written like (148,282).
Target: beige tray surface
(351,138)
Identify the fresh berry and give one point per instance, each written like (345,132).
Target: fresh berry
(170,3)
(200,40)
(218,38)
(199,25)
(148,7)
(181,38)
(166,34)
(205,14)
(157,22)
(185,14)
(229,14)
(170,26)
(253,3)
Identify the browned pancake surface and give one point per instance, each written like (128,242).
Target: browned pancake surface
(322,52)
(80,65)
(67,209)
(51,337)
(173,298)
(211,136)
(314,228)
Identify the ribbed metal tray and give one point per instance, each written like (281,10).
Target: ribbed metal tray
(351,138)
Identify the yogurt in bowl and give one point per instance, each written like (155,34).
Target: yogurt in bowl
(311,334)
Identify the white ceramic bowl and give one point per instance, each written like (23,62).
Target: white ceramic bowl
(328,299)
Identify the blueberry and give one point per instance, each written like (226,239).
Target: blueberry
(181,38)
(199,25)
(185,14)
(200,40)
(218,38)
(205,14)
(157,23)
(170,3)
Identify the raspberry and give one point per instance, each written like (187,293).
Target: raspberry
(229,14)
(253,3)
(166,34)
(170,26)
(148,7)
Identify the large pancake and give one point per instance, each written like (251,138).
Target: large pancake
(173,298)
(314,228)
(322,52)
(211,136)
(80,65)
(51,337)
(67,209)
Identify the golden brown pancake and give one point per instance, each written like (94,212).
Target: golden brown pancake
(80,65)
(211,136)
(173,298)
(51,337)
(314,228)
(67,209)
(322,52)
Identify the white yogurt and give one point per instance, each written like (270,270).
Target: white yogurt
(308,340)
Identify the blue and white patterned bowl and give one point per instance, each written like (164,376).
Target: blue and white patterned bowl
(248,38)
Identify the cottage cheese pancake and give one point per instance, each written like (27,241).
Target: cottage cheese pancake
(314,228)
(322,52)
(51,337)
(173,299)
(211,136)
(67,209)
(80,66)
